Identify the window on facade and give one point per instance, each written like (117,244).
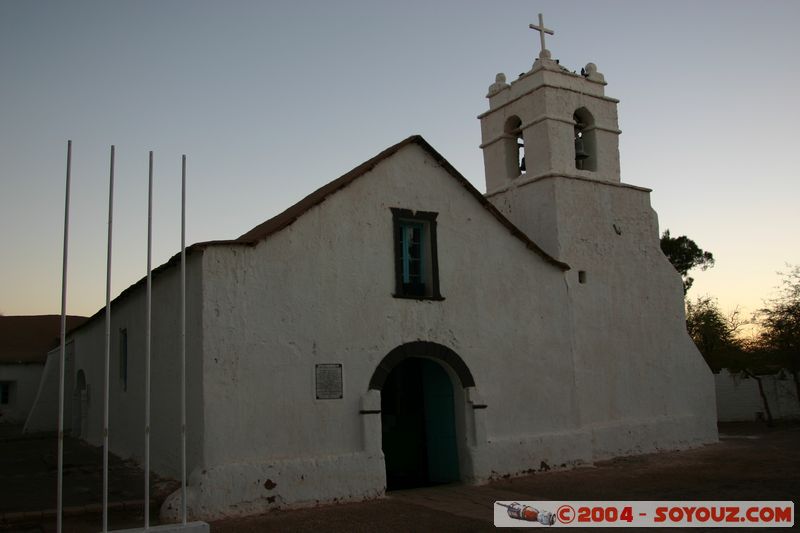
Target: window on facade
(123,359)
(5,392)
(416,260)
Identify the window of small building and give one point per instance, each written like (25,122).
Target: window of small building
(5,392)
(123,359)
(416,257)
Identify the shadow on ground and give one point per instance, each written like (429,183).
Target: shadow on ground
(28,484)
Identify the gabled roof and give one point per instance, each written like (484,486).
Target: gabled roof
(27,339)
(287,217)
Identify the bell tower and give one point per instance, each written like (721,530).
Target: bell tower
(560,121)
(549,122)
(550,146)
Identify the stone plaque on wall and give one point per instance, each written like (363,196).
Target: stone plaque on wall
(329,381)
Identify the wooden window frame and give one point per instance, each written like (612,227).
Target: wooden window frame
(426,220)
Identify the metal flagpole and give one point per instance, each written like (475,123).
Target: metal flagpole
(62,353)
(183,339)
(147,345)
(108,342)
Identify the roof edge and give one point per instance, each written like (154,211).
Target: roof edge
(513,229)
(289,215)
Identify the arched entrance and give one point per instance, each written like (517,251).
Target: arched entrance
(421,385)
(80,419)
(418,425)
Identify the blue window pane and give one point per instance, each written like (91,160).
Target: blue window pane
(412,246)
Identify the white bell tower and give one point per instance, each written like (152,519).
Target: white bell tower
(637,372)
(550,122)
(560,121)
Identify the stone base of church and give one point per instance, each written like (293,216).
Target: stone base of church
(657,434)
(525,454)
(248,488)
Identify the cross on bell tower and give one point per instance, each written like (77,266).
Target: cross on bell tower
(544,53)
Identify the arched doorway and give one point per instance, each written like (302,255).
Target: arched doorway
(422,388)
(80,407)
(418,425)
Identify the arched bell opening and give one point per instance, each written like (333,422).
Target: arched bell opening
(514,142)
(584,140)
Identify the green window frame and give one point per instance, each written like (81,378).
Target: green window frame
(416,257)
(412,236)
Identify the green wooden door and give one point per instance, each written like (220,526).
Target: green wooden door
(403,427)
(418,425)
(440,427)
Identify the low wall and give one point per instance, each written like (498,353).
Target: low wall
(738,398)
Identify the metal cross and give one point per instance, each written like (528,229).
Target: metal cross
(545,53)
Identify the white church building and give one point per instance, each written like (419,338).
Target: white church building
(399,328)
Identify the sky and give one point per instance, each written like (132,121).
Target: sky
(270,100)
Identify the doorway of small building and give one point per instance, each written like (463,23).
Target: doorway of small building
(418,425)
(80,407)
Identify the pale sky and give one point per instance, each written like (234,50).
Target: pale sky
(272,99)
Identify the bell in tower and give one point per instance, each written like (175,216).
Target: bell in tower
(585,145)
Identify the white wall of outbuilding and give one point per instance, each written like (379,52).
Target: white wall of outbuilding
(126,405)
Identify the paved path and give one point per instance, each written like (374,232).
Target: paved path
(749,463)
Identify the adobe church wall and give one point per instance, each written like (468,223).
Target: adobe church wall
(630,325)
(320,291)
(641,382)
(126,407)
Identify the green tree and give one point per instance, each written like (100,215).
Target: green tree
(714,333)
(780,324)
(684,254)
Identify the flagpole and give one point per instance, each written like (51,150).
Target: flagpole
(108,342)
(62,352)
(183,339)
(148,336)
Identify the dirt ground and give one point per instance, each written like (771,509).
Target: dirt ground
(751,462)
